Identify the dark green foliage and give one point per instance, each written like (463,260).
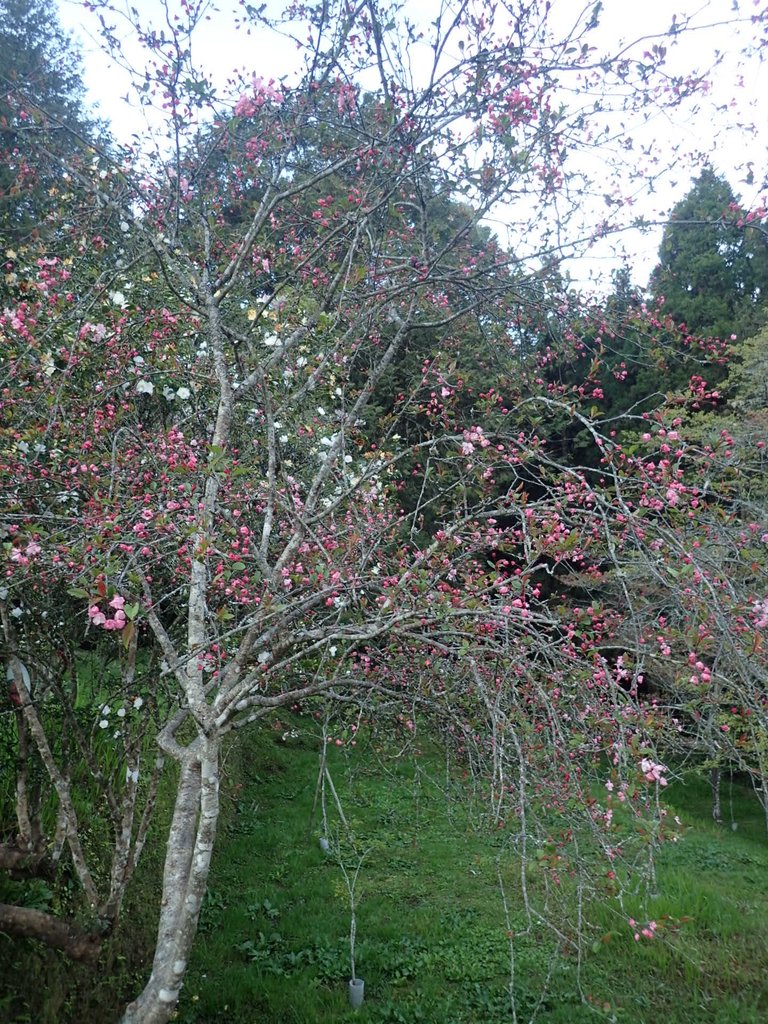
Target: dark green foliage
(43,122)
(713,265)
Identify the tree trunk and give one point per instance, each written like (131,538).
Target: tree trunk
(25,863)
(27,923)
(714,782)
(185,877)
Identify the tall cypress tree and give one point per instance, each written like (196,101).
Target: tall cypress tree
(43,118)
(713,269)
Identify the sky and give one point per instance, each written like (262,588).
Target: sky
(730,127)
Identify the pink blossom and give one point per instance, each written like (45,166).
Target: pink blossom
(760,609)
(96,615)
(653,772)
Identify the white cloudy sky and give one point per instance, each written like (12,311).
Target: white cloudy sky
(716,130)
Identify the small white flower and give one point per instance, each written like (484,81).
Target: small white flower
(348,459)
(145,387)
(106,709)
(283,439)
(124,226)
(120,712)
(184,394)
(264,657)
(103,724)
(332,650)
(117,298)
(138,703)
(320,411)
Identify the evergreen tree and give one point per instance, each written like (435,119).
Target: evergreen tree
(713,266)
(42,119)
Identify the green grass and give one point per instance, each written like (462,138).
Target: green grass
(432,940)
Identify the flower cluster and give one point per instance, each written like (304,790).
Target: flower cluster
(760,609)
(653,772)
(116,621)
(646,932)
(263,92)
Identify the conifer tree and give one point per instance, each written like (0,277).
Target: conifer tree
(43,115)
(713,266)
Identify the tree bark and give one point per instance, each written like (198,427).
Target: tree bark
(185,878)
(23,863)
(26,923)
(714,784)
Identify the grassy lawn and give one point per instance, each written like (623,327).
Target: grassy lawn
(432,936)
(431,933)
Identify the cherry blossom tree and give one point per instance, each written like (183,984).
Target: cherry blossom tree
(199,467)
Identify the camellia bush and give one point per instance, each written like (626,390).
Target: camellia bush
(276,414)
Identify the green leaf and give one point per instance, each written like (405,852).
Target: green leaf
(127,634)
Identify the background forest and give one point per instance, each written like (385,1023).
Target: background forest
(376,604)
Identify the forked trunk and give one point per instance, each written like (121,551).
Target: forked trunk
(185,877)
